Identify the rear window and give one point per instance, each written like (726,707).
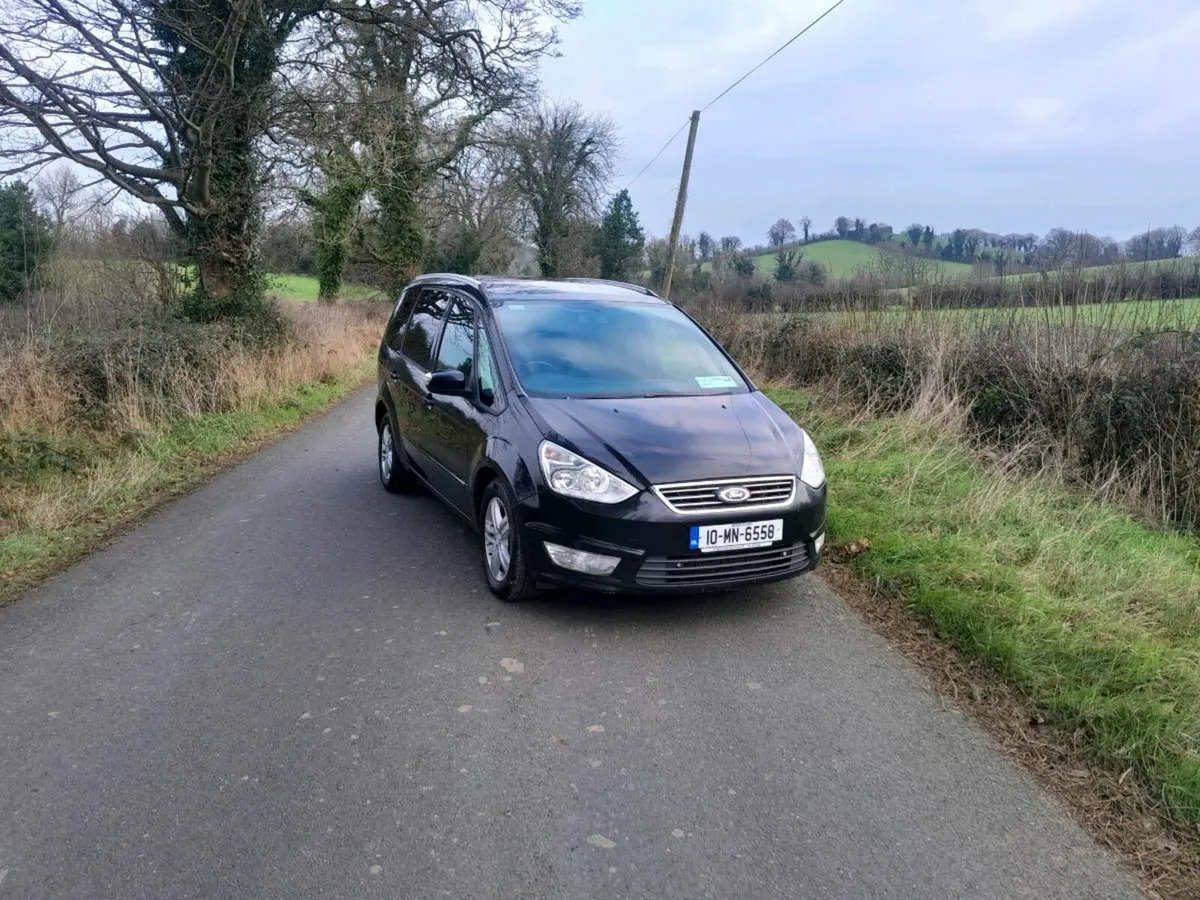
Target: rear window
(423,329)
(595,348)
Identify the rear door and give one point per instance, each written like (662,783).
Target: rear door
(407,369)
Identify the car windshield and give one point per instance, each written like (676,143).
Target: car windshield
(596,348)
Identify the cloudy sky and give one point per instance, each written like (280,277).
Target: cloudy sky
(1007,115)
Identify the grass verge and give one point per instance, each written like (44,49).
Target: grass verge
(119,485)
(1092,617)
(97,429)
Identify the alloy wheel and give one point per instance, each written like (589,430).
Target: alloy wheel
(497,536)
(387,452)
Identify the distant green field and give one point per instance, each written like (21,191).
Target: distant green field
(303,289)
(843,258)
(1141,316)
(1132,315)
(1131,269)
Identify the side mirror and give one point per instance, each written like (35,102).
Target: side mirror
(451,382)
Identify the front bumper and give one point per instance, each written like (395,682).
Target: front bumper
(653,543)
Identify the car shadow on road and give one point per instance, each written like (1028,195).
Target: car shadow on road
(575,606)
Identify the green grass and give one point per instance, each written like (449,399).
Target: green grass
(842,259)
(105,485)
(303,289)
(1133,315)
(1091,616)
(1132,270)
(1130,315)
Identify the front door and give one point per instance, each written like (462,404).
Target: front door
(457,426)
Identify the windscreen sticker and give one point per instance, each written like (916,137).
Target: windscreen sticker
(520,307)
(716,381)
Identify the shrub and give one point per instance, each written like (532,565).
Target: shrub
(1109,402)
(25,240)
(743,266)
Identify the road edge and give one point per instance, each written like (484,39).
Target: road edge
(1115,811)
(113,529)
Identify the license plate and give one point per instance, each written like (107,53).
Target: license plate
(739,536)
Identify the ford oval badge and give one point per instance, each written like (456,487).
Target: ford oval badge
(734,494)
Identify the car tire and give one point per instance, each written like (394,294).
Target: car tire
(504,562)
(393,473)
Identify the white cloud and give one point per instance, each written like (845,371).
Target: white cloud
(1016,20)
(1015,115)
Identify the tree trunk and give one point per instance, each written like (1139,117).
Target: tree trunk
(401,240)
(229,284)
(222,245)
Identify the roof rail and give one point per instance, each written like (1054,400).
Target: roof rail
(641,289)
(449,277)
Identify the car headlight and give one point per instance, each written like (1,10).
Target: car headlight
(571,475)
(813,471)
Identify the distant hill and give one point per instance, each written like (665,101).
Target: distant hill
(843,258)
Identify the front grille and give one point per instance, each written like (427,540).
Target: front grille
(723,568)
(690,497)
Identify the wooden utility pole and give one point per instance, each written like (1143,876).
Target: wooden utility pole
(680,203)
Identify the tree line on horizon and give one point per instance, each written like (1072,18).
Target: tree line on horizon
(1058,248)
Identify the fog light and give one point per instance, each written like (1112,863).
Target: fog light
(820,541)
(581,561)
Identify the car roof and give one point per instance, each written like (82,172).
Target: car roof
(498,289)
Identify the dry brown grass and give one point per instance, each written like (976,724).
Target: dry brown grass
(1106,398)
(93,435)
(330,341)
(32,394)
(36,395)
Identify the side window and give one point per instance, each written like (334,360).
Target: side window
(396,330)
(458,340)
(489,382)
(423,329)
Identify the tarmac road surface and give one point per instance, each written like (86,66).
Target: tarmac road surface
(291,684)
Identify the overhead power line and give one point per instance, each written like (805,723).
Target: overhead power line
(684,126)
(803,31)
(646,167)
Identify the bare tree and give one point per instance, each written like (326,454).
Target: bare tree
(1057,247)
(1193,242)
(1157,243)
(167,101)
(806,227)
(59,192)
(561,161)
(172,101)
(781,232)
(473,216)
(404,90)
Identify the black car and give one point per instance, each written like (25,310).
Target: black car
(596,436)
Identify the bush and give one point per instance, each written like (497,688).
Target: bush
(743,266)
(885,376)
(25,240)
(1093,400)
(171,365)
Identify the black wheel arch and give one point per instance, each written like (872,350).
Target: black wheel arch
(382,406)
(500,459)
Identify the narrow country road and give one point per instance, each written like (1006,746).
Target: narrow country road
(293,685)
